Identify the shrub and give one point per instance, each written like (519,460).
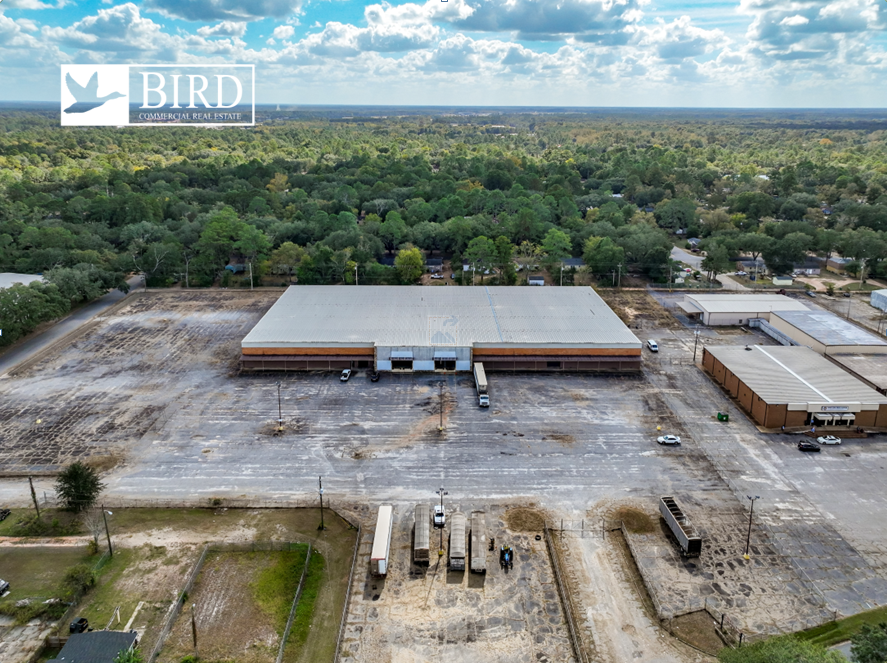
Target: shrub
(78,580)
(78,486)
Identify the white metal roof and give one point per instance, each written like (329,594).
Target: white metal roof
(411,316)
(793,374)
(828,329)
(745,303)
(8,278)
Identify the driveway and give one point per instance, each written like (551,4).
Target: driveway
(32,346)
(692,259)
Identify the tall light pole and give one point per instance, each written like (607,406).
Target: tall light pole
(441,492)
(695,343)
(750,514)
(355,275)
(440,428)
(562,274)
(320,492)
(279,411)
(619,282)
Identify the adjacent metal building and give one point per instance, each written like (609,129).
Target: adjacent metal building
(879,299)
(793,386)
(826,333)
(435,328)
(723,309)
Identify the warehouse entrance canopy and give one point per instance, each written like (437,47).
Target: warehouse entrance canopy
(427,328)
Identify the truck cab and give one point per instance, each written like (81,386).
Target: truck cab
(483,400)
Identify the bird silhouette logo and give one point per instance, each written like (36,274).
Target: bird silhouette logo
(87,97)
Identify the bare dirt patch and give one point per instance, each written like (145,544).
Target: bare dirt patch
(635,520)
(697,629)
(638,310)
(561,438)
(524,520)
(230,625)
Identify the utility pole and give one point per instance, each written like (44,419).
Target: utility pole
(320,490)
(193,627)
(695,343)
(614,277)
(355,275)
(562,274)
(34,496)
(670,281)
(279,411)
(619,282)
(750,514)
(107,531)
(250,275)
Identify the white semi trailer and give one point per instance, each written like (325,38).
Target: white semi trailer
(382,541)
(480,383)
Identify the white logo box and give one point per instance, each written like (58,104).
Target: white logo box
(205,95)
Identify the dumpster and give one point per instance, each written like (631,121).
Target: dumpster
(723,416)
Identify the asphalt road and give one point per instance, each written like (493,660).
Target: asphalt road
(32,346)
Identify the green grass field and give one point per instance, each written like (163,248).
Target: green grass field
(37,572)
(842,630)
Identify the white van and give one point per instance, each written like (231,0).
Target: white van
(653,345)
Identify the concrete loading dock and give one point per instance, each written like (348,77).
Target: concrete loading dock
(427,328)
(793,386)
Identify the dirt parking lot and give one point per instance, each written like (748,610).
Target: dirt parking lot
(427,613)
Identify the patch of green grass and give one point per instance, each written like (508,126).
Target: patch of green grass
(866,287)
(301,627)
(99,604)
(38,572)
(276,585)
(52,522)
(842,630)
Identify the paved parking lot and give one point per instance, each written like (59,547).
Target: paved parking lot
(155,385)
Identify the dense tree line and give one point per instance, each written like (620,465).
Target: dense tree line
(315,201)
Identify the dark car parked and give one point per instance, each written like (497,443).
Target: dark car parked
(808,446)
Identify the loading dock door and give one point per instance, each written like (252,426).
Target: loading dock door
(401,360)
(444,361)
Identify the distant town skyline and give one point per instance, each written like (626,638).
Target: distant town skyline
(711,53)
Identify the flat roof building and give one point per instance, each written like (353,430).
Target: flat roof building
(869,368)
(826,333)
(428,328)
(793,386)
(8,278)
(736,309)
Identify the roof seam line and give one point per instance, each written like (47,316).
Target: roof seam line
(795,374)
(493,310)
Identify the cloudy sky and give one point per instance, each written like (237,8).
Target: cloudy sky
(702,53)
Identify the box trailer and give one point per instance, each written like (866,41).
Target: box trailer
(478,542)
(457,541)
(382,541)
(421,533)
(480,383)
(687,536)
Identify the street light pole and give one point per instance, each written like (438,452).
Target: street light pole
(279,411)
(562,274)
(320,490)
(355,275)
(750,514)
(695,343)
(441,406)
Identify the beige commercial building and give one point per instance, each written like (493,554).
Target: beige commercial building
(793,386)
(434,328)
(826,333)
(723,309)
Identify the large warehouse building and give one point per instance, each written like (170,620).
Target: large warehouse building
(434,328)
(793,386)
(826,333)
(736,309)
